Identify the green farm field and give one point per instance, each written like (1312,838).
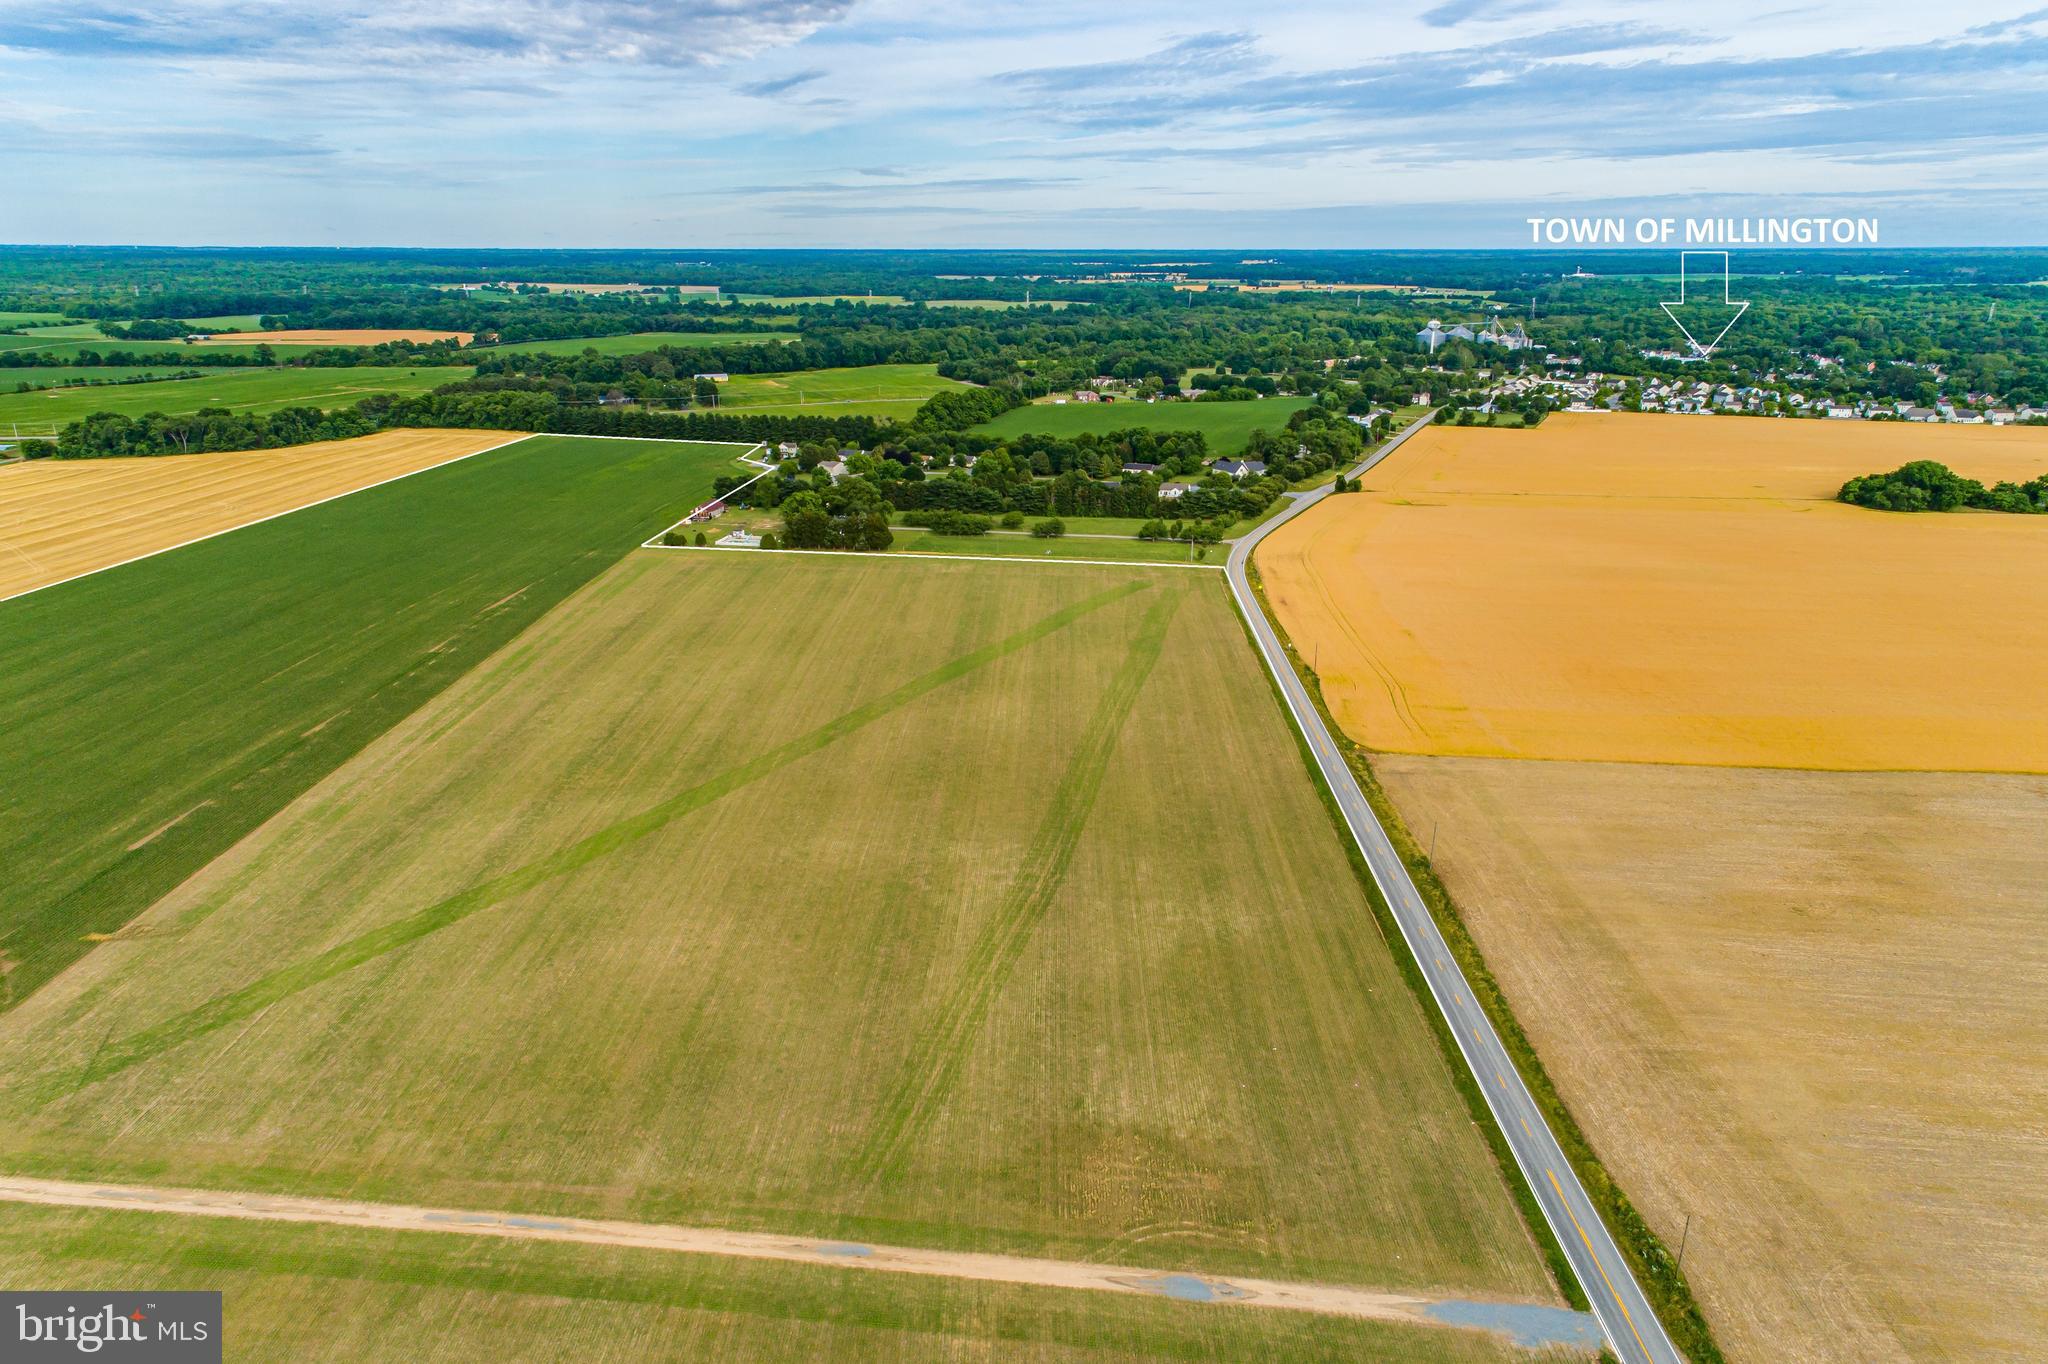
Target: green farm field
(635,344)
(239,390)
(215,683)
(1227,426)
(306,1292)
(11,320)
(859,391)
(886,900)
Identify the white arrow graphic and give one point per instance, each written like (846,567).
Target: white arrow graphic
(1741,305)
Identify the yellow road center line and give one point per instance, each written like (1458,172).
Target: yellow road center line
(1625,1313)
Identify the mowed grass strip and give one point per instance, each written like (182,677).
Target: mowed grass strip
(238,390)
(913,903)
(1226,426)
(158,711)
(307,1292)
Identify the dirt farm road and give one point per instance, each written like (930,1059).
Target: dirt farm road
(1525,1323)
(1625,1315)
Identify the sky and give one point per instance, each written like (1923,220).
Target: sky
(1055,124)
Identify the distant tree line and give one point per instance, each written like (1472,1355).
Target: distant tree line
(108,433)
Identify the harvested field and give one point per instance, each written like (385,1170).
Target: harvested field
(864,898)
(61,518)
(1801,1006)
(1804,1008)
(360,336)
(1677,589)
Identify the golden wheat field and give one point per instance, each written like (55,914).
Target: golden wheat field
(1649,588)
(61,518)
(346,336)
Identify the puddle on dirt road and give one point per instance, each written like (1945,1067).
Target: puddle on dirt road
(1526,1325)
(1187,1287)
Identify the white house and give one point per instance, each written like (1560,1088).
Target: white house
(1170,491)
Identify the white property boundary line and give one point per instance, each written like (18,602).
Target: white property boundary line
(335,497)
(876,556)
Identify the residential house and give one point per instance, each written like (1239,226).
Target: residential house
(1141,468)
(1240,468)
(1170,491)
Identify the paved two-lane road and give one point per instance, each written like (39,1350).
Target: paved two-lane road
(1625,1316)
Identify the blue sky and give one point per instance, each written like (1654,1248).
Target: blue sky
(730,123)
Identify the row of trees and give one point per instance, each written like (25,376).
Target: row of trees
(108,433)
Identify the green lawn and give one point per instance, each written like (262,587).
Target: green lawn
(11,320)
(158,711)
(1227,426)
(239,390)
(636,343)
(295,1292)
(911,540)
(965,905)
